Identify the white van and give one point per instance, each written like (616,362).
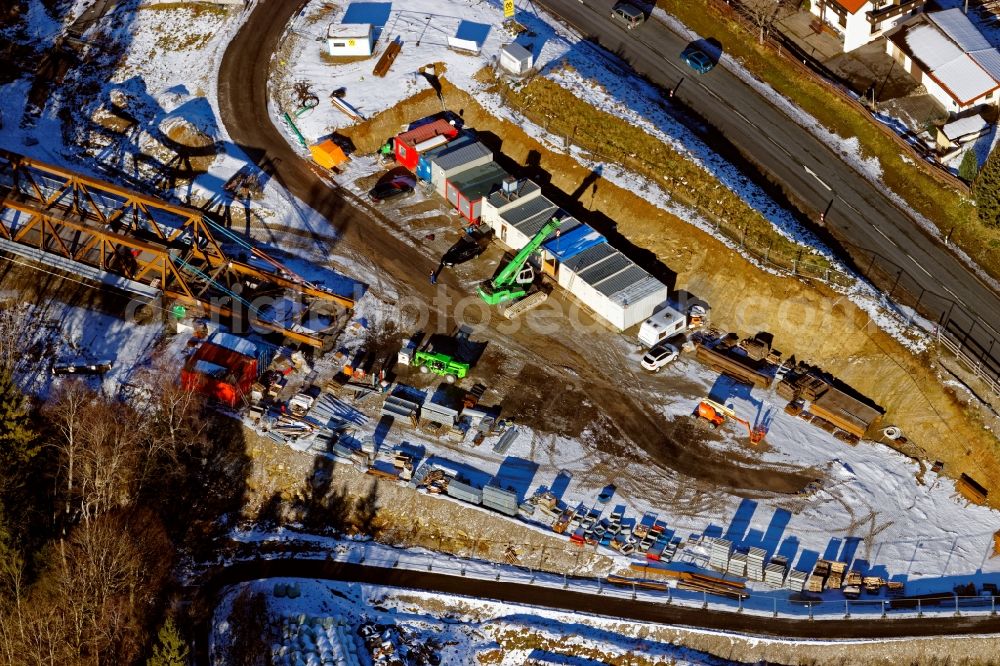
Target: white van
(662,325)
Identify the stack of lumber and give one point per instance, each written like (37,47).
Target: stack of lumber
(845,412)
(971,490)
(735,365)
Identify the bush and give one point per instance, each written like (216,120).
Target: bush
(986,191)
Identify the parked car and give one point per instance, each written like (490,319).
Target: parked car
(628,14)
(396,183)
(465,249)
(697,59)
(659,356)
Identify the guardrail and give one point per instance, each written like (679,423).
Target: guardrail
(776,603)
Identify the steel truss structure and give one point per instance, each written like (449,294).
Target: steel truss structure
(103,232)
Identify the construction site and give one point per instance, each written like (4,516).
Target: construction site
(525,351)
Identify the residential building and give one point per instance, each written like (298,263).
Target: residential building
(947,54)
(862,21)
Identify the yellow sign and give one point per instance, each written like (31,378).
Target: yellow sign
(350,42)
(508,8)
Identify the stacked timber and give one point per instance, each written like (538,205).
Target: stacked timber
(719,553)
(755,563)
(774,572)
(845,412)
(737,564)
(796,580)
(810,386)
(733,364)
(970,489)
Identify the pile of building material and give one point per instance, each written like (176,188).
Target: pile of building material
(774,572)
(720,550)
(971,490)
(737,564)
(732,363)
(796,580)
(755,563)
(833,409)
(498,499)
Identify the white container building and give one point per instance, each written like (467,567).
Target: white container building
(350,39)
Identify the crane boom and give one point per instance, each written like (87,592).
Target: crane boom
(504,286)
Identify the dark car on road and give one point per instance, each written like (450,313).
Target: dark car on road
(628,14)
(697,59)
(396,183)
(465,249)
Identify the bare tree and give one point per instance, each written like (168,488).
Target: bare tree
(762,13)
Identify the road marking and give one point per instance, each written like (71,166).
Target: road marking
(882,232)
(919,266)
(957,297)
(777,145)
(813,174)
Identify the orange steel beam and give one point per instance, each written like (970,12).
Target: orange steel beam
(61,215)
(193,222)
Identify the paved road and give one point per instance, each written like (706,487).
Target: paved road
(810,173)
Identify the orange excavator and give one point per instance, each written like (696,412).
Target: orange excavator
(716,414)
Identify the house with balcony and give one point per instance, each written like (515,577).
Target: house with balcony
(859,22)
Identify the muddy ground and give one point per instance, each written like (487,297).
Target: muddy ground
(806,319)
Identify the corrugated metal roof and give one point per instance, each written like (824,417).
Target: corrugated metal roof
(526,210)
(989,60)
(621,280)
(602,270)
(638,291)
(479,181)
(533,225)
(428,131)
(589,257)
(960,29)
(455,156)
(931,46)
(572,240)
(523,188)
(965,79)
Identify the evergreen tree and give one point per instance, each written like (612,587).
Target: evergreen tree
(969,167)
(986,191)
(17,439)
(170,649)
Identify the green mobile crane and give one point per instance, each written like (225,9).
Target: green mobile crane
(512,283)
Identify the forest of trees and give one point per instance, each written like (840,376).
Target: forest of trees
(100,498)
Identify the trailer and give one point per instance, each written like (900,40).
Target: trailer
(739,367)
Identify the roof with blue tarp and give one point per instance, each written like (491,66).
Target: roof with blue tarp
(572,242)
